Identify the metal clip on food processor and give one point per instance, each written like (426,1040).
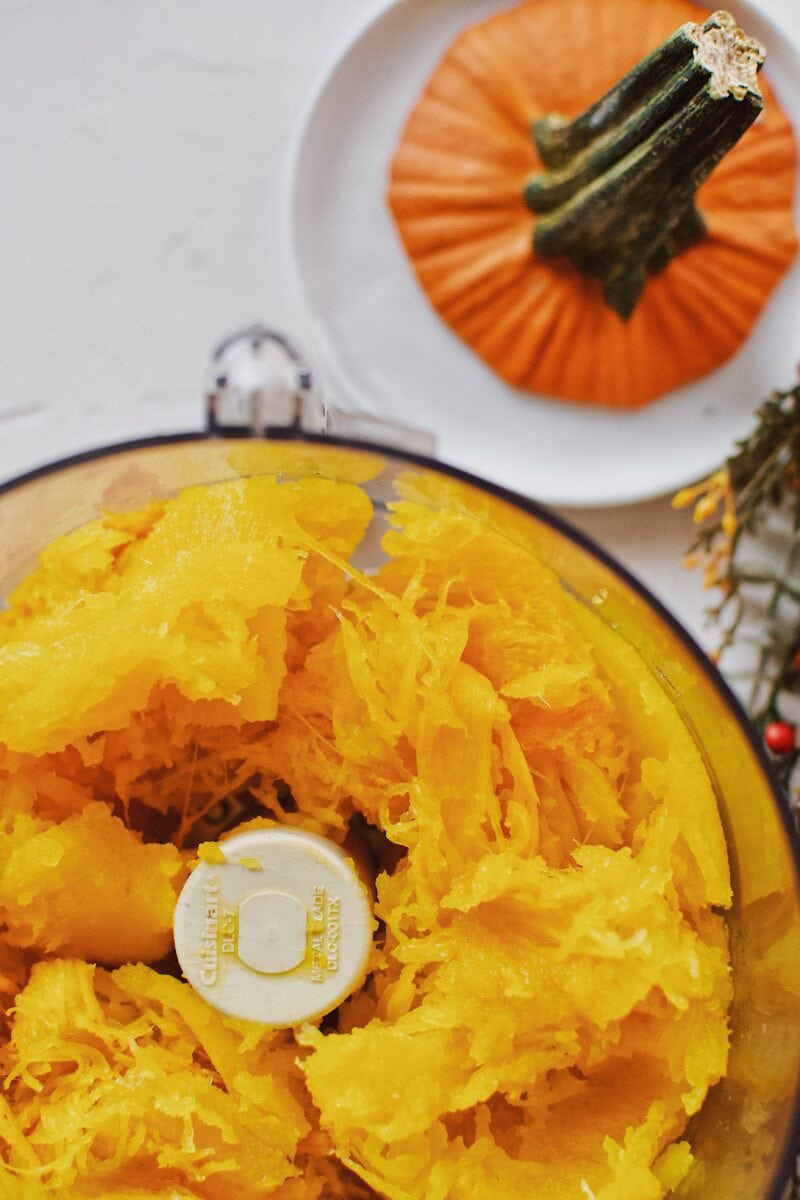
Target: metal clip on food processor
(260,383)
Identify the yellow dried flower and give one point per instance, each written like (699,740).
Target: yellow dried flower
(705,507)
(686,496)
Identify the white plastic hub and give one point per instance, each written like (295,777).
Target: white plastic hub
(275,926)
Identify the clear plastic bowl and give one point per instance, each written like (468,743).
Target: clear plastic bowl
(744,1137)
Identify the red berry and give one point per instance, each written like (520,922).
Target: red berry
(779,737)
(796,659)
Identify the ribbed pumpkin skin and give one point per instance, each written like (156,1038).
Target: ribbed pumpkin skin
(455,191)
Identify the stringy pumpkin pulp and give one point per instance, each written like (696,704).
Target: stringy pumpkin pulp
(547,998)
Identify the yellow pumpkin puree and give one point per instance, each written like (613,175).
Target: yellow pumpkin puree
(548,992)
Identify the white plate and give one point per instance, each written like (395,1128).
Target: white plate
(386,351)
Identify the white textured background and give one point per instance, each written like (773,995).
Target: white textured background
(142,181)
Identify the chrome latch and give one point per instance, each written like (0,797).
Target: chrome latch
(262,385)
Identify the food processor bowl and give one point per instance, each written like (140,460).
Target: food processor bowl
(745,1135)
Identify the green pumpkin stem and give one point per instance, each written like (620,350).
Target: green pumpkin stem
(618,196)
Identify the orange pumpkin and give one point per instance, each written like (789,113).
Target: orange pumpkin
(457,187)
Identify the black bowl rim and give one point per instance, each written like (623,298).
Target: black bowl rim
(788,1154)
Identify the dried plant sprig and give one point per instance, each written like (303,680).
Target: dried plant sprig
(752,498)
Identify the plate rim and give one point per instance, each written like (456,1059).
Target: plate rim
(322,347)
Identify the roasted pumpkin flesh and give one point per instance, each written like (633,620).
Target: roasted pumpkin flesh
(548,992)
